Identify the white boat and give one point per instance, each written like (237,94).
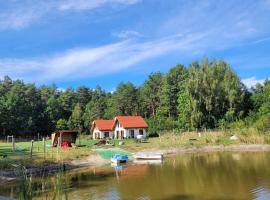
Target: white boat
(147,162)
(148,156)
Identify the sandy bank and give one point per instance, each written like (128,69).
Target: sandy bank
(91,160)
(212,148)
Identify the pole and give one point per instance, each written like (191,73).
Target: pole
(13,143)
(58,144)
(44,145)
(32,145)
(38,142)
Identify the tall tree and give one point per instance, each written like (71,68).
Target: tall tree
(173,84)
(75,120)
(125,99)
(150,98)
(216,92)
(95,109)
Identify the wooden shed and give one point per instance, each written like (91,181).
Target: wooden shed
(69,136)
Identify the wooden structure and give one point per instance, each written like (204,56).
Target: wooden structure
(69,136)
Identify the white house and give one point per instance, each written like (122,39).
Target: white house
(102,129)
(129,126)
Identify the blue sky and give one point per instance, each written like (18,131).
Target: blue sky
(104,42)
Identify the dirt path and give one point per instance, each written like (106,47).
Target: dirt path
(91,160)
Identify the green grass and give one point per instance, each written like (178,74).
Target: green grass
(108,153)
(86,146)
(39,158)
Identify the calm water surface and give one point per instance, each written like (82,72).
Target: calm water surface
(207,176)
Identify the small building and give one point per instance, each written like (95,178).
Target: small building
(102,129)
(129,127)
(68,136)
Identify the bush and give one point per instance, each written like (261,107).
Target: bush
(224,141)
(263,123)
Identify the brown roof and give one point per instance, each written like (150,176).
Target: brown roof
(67,131)
(131,121)
(103,125)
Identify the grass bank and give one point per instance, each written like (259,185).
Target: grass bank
(166,140)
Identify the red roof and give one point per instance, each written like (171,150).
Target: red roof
(104,125)
(131,121)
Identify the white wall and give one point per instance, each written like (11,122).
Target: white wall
(119,128)
(102,133)
(136,132)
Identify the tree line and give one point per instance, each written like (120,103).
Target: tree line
(207,94)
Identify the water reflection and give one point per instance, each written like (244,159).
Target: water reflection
(205,176)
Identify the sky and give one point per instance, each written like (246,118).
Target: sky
(74,43)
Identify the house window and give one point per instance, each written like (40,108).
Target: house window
(131,132)
(141,132)
(106,134)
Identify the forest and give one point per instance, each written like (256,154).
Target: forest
(206,94)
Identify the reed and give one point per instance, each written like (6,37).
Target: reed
(25,183)
(51,188)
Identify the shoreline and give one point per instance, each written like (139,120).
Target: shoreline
(96,161)
(212,148)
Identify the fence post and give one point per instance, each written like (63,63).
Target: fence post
(44,145)
(58,144)
(38,142)
(32,145)
(13,143)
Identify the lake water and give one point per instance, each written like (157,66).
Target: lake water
(205,176)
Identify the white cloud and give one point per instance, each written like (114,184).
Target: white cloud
(20,14)
(90,4)
(194,30)
(252,81)
(59,89)
(89,62)
(127,34)
(18,18)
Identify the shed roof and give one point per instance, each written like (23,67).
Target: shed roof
(131,121)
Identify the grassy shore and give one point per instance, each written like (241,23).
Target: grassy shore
(85,148)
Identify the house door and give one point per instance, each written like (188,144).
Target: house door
(122,134)
(117,135)
(106,134)
(131,133)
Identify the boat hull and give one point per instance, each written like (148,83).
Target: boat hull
(149,157)
(118,161)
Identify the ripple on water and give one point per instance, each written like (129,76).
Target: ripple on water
(261,193)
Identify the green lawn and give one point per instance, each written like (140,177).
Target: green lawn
(52,155)
(86,146)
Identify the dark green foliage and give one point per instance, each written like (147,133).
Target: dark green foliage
(259,116)
(173,84)
(62,124)
(150,95)
(204,95)
(125,99)
(216,93)
(95,109)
